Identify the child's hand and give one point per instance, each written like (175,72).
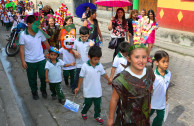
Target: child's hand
(47,80)
(76,90)
(77,55)
(109,82)
(73,64)
(24,65)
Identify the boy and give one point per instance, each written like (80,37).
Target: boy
(53,74)
(80,49)
(32,56)
(90,75)
(120,60)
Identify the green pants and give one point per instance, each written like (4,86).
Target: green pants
(56,90)
(158,120)
(7,26)
(97,106)
(66,74)
(32,70)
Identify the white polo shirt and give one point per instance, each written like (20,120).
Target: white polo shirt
(118,61)
(82,48)
(68,58)
(32,46)
(91,80)
(54,71)
(160,86)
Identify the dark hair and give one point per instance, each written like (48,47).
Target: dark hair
(159,55)
(84,30)
(95,51)
(124,22)
(30,19)
(154,18)
(87,7)
(66,19)
(91,12)
(124,47)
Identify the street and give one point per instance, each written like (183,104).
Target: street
(50,113)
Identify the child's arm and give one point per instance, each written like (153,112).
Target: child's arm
(79,84)
(71,64)
(108,79)
(112,107)
(46,76)
(112,73)
(77,55)
(167,94)
(47,45)
(24,65)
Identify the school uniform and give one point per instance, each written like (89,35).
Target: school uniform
(158,100)
(82,48)
(34,58)
(118,62)
(68,58)
(55,78)
(2,19)
(6,22)
(92,89)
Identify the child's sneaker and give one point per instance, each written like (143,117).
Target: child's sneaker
(62,101)
(84,116)
(99,120)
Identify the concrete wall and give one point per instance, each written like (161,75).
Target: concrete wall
(176,14)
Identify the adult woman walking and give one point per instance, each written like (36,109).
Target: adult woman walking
(120,28)
(132,17)
(92,23)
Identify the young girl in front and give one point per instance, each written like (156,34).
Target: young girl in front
(6,21)
(160,86)
(151,39)
(132,91)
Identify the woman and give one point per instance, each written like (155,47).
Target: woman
(132,17)
(119,26)
(84,15)
(29,11)
(92,23)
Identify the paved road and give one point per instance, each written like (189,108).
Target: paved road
(49,112)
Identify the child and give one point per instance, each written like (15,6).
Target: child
(68,21)
(53,74)
(32,56)
(132,91)
(80,49)
(160,87)
(151,39)
(6,21)
(90,75)
(40,6)
(2,18)
(120,60)
(143,13)
(53,31)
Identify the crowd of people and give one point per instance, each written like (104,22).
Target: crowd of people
(138,91)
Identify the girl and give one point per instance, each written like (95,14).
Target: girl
(53,31)
(29,11)
(92,23)
(133,17)
(132,91)
(2,18)
(40,6)
(143,13)
(160,86)
(68,21)
(151,39)
(84,15)
(120,27)
(6,21)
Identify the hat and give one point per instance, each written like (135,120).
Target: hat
(54,49)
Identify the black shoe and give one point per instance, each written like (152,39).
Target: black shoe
(35,95)
(62,101)
(73,91)
(44,94)
(54,97)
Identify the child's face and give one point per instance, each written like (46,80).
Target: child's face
(84,38)
(53,55)
(138,59)
(143,13)
(69,22)
(51,22)
(163,63)
(94,60)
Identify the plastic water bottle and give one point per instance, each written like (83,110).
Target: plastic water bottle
(101,43)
